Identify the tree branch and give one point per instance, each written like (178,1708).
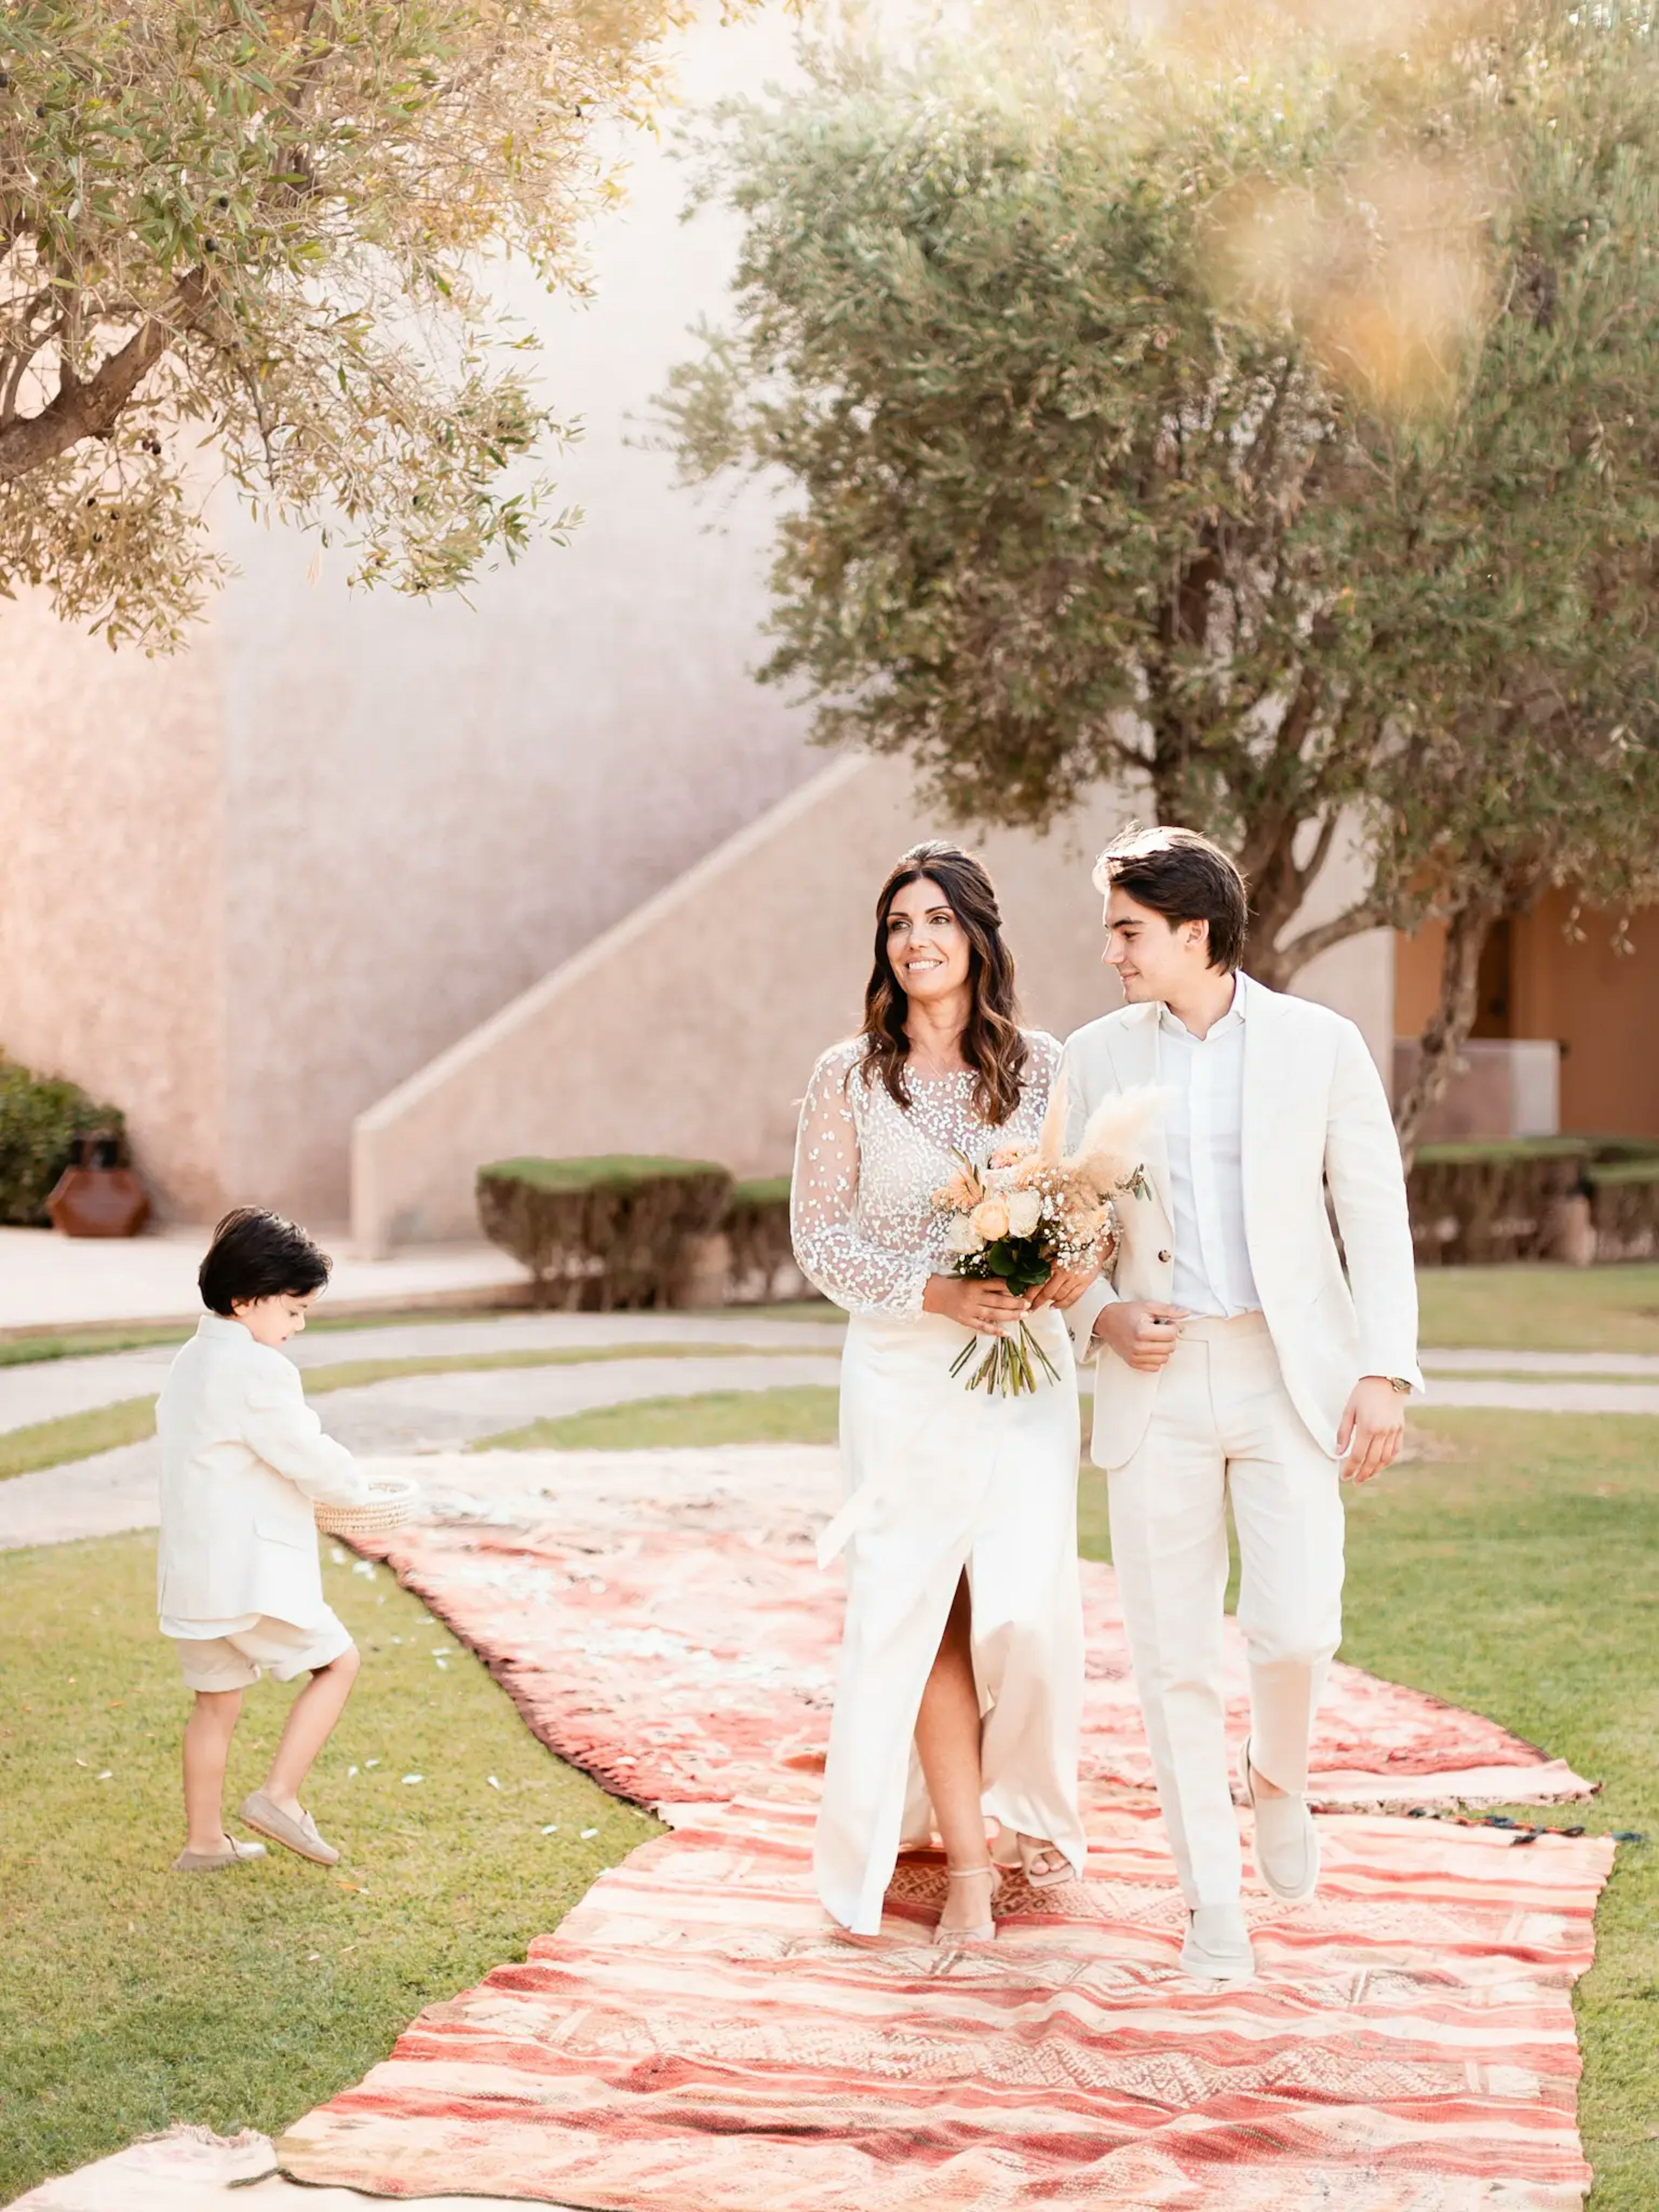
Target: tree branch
(92,409)
(1369,914)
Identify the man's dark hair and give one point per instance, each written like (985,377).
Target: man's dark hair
(1184,877)
(257,1254)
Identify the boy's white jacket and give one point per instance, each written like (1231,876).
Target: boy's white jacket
(243,1460)
(1315,1114)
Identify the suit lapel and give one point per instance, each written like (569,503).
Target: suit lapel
(1263,1073)
(1135,1050)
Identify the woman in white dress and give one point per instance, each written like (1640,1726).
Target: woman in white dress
(960,1685)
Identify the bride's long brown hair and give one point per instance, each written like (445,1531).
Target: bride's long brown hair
(992,1044)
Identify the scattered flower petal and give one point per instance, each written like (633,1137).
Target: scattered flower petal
(586,1832)
(414,1777)
(491,1780)
(551,1829)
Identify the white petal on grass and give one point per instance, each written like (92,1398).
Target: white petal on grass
(366,1569)
(414,1777)
(350,1773)
(371,1762)
(491,1780)
(588,1833)
(106,1773)
(336,1555)
(551,1829)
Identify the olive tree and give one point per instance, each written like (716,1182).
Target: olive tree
(1275,441)
(252,240)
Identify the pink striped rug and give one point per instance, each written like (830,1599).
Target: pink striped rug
(695,2038)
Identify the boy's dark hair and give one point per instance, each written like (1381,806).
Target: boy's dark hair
(1184,877)
(258,1255)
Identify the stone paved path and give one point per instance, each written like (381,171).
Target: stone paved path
(46,1390)
(117,1489)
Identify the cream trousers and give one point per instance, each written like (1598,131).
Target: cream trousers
(1223,1423)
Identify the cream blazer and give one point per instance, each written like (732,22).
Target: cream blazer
(1314,1112)
(243,1457)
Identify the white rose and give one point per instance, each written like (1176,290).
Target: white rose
(1025,1211)
(965,1238)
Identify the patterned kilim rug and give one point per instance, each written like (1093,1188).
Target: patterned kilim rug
(697,2038)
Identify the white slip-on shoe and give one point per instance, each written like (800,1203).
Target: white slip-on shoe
(236,1852)
(1217,1945)
(1286,1842)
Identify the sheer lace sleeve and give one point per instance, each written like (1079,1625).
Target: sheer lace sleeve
(834,1246)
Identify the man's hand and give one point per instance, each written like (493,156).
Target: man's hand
(1142,1335)
(1372,1430)
(988,1309)
(1064,1287)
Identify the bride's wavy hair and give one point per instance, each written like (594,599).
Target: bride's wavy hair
(991,1044)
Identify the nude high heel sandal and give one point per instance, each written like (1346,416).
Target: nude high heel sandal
(1026,1851)
(983,1932)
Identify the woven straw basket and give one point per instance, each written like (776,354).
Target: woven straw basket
(396,1497)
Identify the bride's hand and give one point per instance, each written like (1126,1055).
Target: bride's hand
(1064,1287)
(988,1309)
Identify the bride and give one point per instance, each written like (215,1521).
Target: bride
(961,1676)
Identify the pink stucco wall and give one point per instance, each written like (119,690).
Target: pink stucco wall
(112,888)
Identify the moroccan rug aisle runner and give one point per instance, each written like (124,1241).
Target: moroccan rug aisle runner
(696,2039)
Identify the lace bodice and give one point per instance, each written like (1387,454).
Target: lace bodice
(861,1214)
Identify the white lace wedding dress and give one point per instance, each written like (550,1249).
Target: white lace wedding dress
(940,1478)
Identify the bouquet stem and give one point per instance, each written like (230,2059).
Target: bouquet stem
(1007,1369)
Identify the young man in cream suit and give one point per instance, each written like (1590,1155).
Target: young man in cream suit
(1232,1356)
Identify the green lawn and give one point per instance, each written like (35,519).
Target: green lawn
(1510,1570)
(131,1997)
(1542,1309)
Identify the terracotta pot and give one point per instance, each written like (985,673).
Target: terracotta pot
(95,1196)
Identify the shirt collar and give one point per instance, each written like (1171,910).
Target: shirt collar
(1235,1016)
(223,1325)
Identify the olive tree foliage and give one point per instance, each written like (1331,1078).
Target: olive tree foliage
(1275,441)
(250,240)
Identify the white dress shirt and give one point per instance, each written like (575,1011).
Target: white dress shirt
(1205,1077)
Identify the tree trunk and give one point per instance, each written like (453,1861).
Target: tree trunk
(1453,1019)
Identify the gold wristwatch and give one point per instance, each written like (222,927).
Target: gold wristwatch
(1399,1382)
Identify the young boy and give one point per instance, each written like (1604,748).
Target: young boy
(239,1587)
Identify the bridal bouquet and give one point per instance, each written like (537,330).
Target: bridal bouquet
(1031,1209)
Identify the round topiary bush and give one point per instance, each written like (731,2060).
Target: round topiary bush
(42,1117)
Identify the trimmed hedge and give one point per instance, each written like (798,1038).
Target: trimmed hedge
(1624,1208)
(760,1256)
(1474,1204)
(618,1231)
(41,1119)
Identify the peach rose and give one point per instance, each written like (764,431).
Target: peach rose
(990,1218)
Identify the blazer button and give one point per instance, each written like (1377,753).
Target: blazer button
(1164,1258)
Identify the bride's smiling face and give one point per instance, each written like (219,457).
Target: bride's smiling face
(927,948)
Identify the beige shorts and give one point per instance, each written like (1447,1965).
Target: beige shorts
(277,1648)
